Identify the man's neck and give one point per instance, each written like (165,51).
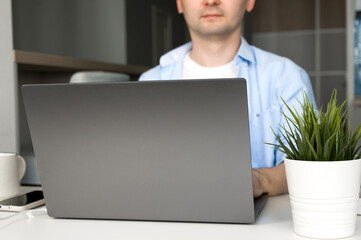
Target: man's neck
(214,52)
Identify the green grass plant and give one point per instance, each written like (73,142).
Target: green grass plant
(313,135)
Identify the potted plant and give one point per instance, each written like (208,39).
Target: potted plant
(323,169)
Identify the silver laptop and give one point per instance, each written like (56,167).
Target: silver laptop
(157,150)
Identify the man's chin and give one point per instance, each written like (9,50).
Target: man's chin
(215,32)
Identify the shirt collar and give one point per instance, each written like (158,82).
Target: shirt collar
(179,53)
(176,54)
(245,51)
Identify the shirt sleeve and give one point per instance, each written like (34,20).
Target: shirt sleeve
(151,74)
(294,82)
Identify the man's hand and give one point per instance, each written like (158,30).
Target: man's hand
(269,180)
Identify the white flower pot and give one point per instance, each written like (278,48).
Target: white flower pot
(324,197)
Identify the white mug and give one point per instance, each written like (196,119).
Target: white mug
(12,170)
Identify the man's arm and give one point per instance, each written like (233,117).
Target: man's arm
(269,180)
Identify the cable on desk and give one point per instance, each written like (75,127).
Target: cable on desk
(22,215)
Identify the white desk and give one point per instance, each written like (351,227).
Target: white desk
(275,222)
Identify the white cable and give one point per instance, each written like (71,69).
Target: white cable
(22,215)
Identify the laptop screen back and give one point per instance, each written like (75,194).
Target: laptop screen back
(158,150)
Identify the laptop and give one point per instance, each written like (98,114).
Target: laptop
(175,150)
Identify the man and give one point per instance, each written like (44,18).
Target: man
(217,50)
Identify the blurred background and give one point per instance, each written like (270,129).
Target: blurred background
(322,36)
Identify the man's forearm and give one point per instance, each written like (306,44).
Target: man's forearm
(270,180)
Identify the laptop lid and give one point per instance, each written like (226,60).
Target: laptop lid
(155,150)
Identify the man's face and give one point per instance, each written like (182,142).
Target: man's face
(208,18)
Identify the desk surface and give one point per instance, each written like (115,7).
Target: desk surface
(275,222)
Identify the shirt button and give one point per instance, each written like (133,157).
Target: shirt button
(245,65)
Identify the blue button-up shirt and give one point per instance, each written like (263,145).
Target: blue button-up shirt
(269,77)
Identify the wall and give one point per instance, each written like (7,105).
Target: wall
(352,8)
(139,29)
(92,30)
(358,5)
(8,86)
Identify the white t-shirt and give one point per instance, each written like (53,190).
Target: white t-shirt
(192,70)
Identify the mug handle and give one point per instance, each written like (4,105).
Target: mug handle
(22,167)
